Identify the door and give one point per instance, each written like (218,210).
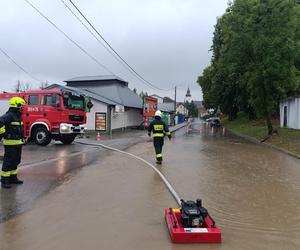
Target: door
(50,107)
(31,112)
(285,116)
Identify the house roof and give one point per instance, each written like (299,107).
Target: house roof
(94,96)
(199,104)
(179,103)
(166,107)
(111,88)
(117,93)
(156,96)
(95,78)
(84,92)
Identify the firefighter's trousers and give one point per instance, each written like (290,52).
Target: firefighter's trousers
(158,143)
(11,160)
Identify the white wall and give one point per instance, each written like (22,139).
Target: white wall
(180,109)
(4,106)
(293,116)
(90,116)
(131,117)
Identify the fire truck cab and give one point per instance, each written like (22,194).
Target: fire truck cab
(50,114)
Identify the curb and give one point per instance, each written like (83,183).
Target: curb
(251,139)
(179,127)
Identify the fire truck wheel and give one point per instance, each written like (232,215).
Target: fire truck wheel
(67,139)
(42,136)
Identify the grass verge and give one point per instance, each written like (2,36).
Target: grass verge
(286,139)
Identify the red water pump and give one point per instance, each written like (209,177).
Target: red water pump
(191,224)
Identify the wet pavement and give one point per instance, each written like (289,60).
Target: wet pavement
(44,168)
(116,202)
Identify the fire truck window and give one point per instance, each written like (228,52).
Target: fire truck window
(49,100)
(33,100)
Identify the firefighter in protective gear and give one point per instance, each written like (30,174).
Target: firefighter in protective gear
(159,130)
(11,126)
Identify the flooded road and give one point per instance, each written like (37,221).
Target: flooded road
(116,202)
(44,168)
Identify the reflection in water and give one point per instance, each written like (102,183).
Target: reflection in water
(8,203)
(252,191)
(61,167)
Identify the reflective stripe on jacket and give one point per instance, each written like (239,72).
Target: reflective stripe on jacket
(14,132)
(2,130)
(158,128)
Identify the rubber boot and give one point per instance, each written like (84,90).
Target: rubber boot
(159,160)
(14,180)
(5,182)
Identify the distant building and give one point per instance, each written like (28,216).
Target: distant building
(200,108)
(290,113)
(166,107)
(180,108)
(115,105)
(188,96)
(167,99)
(159,98)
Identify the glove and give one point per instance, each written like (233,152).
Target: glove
(149,134)
(170,136)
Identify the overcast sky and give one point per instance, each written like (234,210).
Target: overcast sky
(166,41)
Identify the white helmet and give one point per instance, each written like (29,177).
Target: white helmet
(158,113)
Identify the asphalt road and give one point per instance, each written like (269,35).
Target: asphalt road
(117,202)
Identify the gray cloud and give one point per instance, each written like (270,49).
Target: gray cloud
(166,41)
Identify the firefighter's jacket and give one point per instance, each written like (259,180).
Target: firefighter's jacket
(158,128)
(11,127)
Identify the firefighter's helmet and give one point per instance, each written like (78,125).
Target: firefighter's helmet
(158,113)
(16,102)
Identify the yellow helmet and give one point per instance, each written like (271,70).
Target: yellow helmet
(16,102)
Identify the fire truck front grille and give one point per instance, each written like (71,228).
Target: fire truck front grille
(76,118)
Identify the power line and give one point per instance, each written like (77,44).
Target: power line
(20,67)
(87,28)
(136,73)
(69,38)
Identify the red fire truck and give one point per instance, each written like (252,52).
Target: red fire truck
(50,114)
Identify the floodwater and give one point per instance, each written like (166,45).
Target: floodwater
(251,191)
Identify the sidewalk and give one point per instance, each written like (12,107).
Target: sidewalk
(127,133)
(123,139)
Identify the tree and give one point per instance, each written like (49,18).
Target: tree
(206,83)
(21,87)
(256,58)
(272,72)
(192,109)
(44,85)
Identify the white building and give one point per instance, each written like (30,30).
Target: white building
(115,106)
(180,109)
(290,113)
(159,98)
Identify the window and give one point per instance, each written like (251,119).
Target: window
(50,100)
(33,100)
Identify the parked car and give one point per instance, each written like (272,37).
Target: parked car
(214,122)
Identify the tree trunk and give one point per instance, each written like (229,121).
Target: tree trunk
(232,114)
(269,124)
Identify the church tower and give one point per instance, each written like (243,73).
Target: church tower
(188,96)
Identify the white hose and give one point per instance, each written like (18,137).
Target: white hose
(164,179)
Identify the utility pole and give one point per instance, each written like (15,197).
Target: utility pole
(175,105)
(175,100)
